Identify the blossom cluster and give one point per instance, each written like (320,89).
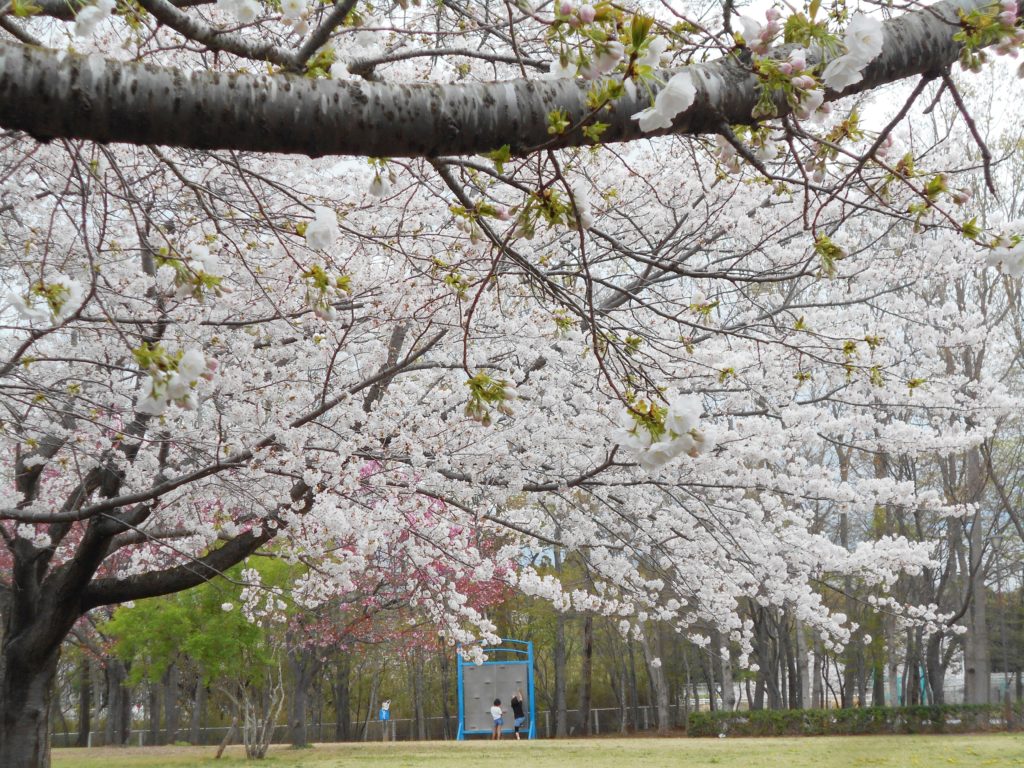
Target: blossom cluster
(1007,253)
(174,381)
(863,40)
(87,19)
(675,98)
(759,37)
(55,299)
(243,10)
(656,435)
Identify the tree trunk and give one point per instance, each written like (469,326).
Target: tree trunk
(587,674)
(172,715)
(302,665)
(342,720)
(634,692)
(198,707)
(656,673)
(118,727)
(725,669)
(977,664)
(935,669)
(26,687)
(561,713)
(154,713)
(418,686)
(802,671)
(446,732)
(623,706)
(84,703)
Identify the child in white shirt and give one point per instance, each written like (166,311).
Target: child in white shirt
(496,713)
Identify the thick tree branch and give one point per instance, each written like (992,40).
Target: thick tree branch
(49,95)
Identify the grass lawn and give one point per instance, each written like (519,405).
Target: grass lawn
(995,751)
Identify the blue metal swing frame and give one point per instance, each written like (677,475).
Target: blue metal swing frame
(518,648)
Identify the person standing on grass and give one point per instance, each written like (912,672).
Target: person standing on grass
(496,713)
(385,718)
(519,716)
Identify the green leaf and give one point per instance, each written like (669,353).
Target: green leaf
(499,157)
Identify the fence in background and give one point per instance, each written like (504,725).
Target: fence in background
(602,721)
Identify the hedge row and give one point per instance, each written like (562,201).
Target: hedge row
(952,718)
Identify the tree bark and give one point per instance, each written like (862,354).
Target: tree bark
(302,665)
(25,693)
(977,663)
(198,707)
(154,713)
(65,95)
(561,707)
(587,674)
(342,720)
(84,702)
(724,659)
(802,671)
(446,718)
(656,673)
(172,715)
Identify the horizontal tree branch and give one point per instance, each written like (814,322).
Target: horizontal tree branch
(60,95)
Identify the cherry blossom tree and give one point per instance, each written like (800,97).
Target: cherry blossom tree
(629,351)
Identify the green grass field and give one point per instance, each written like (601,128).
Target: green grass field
(989,751)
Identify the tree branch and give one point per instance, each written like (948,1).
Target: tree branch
(49,95)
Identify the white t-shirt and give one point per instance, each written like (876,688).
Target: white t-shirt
(496,712)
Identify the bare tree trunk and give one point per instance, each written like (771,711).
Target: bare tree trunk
(817,692)
(227,737)
(723,655)
(418,694)
(172,715)
(634,692)
(198,708)
(977,664)
(802,672)
(302,665)
(445,713)
(587,674)
(118,727)
(342,716)
(84,702)
(154,713)
(561,713)
(656,674)
(623,705)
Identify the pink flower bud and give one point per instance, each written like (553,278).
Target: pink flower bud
(212,364)
(786,68)
(587,14)
(772,14)
(1008,17)
(565,9)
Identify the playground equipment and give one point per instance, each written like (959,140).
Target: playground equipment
(509,668)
